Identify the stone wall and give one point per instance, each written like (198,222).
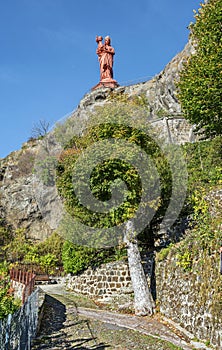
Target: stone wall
(103,282)
(107,281)
(22,283)
(18,289)
(18,330)
(192,299)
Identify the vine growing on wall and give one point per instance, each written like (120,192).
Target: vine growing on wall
(203,205)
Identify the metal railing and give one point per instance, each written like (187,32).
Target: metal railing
(27,279)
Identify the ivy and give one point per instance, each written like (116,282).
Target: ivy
(202,206)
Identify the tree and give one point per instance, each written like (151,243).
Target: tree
(40,129)
(143,300)
(107,175)
(200,84)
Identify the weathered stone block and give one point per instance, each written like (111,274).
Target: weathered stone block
(115,278)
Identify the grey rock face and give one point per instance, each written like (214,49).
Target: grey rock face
(18,205)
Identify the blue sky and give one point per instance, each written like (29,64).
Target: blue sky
(48,60)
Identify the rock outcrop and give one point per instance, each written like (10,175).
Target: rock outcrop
(19,206)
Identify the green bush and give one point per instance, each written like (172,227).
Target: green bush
(8,305)
(18,247)
(76,258)
(52,245)
(48,262)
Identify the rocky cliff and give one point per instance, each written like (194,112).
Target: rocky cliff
(19,206)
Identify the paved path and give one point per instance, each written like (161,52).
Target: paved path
(67,326)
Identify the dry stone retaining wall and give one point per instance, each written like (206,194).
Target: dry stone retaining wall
(108,280)
(191,299)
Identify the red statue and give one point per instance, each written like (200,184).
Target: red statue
(105,54)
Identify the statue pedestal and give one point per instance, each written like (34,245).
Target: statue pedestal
(108,83)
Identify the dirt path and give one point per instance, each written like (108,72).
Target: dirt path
(68,325)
